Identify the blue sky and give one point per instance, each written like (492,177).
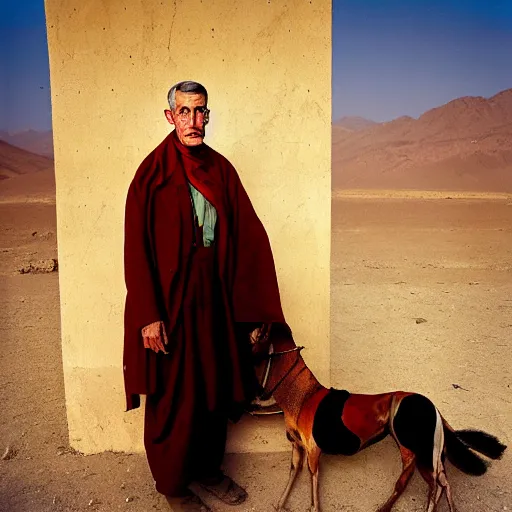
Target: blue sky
(390,57)
(24,75)
(403,57)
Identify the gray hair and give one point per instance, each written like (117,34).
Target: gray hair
(186,86)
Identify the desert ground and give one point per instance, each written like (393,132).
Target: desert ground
(396,258)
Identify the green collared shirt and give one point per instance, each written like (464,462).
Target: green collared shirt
(206,215)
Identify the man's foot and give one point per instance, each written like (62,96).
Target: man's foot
(225,489)
(188,503)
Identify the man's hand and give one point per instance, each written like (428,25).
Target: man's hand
(260,334)
(255,334)
(155,337)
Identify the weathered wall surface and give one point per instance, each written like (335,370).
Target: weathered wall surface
(267,67)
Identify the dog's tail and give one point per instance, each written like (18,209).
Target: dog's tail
(482,442)
(461,443)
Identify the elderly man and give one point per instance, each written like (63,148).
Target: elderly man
(200,279)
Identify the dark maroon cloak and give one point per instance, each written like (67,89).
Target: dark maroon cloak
(159,234)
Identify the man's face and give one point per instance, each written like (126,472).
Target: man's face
(188,118)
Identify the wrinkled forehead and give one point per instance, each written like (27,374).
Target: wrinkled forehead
(189,99)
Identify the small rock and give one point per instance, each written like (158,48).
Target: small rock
(129,499)
(61,450)
(9,453)
(420,320)
(122,486)
(40,267)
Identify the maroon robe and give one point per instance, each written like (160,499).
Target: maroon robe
(206,297)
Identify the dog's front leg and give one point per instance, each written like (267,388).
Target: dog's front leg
(296,466)
(314,468)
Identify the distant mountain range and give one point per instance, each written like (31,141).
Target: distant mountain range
(463,145)
(354,123)
(40,143)
(15,161)
(34,177)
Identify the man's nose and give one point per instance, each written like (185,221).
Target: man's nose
(193,119)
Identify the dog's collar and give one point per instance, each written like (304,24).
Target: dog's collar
(265,395)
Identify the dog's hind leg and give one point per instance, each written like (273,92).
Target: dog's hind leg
(314,467)
(295,467)
(408,465)
(435,488)
(436,477)
(437,484)
(444,482)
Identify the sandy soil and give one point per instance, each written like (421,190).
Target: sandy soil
(393,260)
(409,256)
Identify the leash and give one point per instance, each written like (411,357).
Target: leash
(266,395)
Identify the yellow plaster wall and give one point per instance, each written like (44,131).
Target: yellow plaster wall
(267,67)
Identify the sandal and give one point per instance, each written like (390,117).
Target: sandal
(226,490)
(188,503)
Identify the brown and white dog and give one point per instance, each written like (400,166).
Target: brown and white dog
(319,420)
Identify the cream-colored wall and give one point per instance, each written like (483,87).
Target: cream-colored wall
(267,67)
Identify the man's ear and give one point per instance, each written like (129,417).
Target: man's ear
(169,116)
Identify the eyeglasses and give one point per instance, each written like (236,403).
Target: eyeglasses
(202,113)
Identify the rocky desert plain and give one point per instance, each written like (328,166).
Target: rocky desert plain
(421,299)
